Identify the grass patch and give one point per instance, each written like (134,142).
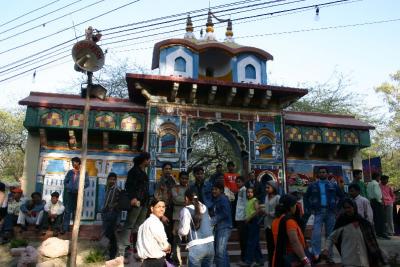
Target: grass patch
(94,256)
(17,243)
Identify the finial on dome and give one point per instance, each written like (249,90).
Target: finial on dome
(209,28)
(229,32)
(189,28)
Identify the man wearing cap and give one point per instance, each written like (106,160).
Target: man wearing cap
(13,209)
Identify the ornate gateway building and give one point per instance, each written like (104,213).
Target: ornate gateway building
(203,85)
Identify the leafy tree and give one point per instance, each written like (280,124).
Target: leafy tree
(209,149)
(386,140)
(112,77)
(12,144)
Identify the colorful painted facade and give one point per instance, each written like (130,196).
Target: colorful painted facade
(202,85)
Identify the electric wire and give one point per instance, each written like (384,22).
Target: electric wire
(15,68)
(68,41)
(52,20)
(29,12)
(310,6)
(60,31)
(24,23)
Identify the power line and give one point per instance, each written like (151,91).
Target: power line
(15,68)
(68,41)
(30,12)
(52,20)
(249,36)
(51,12)
(58,32)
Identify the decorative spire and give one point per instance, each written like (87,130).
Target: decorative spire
(209,28)
(229,32)
(189,28)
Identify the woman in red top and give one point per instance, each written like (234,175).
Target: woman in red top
(288,237)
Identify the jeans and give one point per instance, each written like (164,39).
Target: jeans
(241,225)
(70,208)
(270,244)
(109,228)
(55,225)
(324,216)
(24,219)
(9,221)
(201,255)
(379,217)
(221,252)
(134,219)
(253,249)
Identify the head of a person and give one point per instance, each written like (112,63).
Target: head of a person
(240,181)
(250,192)
(219,168)
(76,163)
(323,173)
(112,179)
(198,173)
(157,207)
(287,205)
(142,160)
(191,198)
(36,197)
(354,190)
(231,166)
(252,175)
(167,169)
(16,193)
(357,175)
(272,187)
(54,197)
(217,189)
(183,178)
(349,207)
(384,179)
(376,176)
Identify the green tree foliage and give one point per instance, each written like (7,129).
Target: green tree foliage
(210,148)
(386,140)
(12,144)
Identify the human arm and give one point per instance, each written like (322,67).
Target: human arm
(87,182)
(47,206)
(61,208)
(332,239)
(160,236)
(370,214)
(67,178)
(222,210)
(297,247)
(178,196)
(184,222)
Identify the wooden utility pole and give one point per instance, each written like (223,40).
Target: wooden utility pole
(82,174)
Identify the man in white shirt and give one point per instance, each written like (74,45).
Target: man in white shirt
(152,243)
(53,211)
(363,205)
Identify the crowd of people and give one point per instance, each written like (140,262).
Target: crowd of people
(203,213)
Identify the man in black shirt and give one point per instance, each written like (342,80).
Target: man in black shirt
(137,187)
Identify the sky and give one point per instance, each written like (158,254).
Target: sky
(344,38)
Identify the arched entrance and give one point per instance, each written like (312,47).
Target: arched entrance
(216,142)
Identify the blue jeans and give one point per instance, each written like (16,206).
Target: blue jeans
(253,249)
(328,219)
(70,208)
(201,255)
(221,252)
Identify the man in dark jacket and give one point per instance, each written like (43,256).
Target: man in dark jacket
(322,199)
(137,187)
(71,185)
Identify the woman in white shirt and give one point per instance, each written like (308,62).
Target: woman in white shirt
(152,243)
(195,224)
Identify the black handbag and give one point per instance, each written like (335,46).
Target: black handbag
(124,202)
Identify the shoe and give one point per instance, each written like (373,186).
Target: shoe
(55,233)
(330,261)
(316,259)
(242,263)
(383,237)
(62,232)
(128,255)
